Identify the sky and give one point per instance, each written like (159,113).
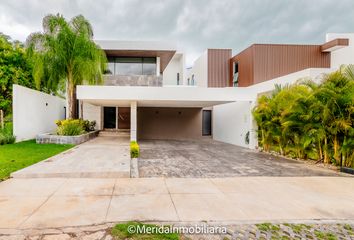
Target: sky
(192,25)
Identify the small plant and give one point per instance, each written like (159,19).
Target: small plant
(134,149)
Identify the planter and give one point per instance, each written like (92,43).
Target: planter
(57,139)
(347,170)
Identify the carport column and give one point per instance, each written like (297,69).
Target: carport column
(253,140)
(133,121)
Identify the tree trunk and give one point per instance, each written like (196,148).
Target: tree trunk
(335,146)
(320,156)
(71,95)
(326,151)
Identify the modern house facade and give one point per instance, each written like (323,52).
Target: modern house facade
(148,91)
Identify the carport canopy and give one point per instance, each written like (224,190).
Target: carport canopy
(179,96)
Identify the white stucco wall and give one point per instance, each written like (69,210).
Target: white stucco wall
(176,65)
(200,71)
(92,113)
(231,122)
(344,55)
(35,112)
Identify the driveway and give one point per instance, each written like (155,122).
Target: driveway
(101,157)
(209,158)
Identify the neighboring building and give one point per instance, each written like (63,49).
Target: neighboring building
(149,92)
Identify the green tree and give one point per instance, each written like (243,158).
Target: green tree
(64,54)
(14,69)
(309,120)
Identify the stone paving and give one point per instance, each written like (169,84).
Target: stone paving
(209,158)
(266,231)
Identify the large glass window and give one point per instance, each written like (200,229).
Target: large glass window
(235,77)
(131,66)
(110,69)
(149,66)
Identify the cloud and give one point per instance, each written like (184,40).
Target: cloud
(193,25)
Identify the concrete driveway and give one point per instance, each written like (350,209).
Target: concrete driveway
(101,157)
(209,158)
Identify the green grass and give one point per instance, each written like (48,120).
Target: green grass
(121,231)
(20,155)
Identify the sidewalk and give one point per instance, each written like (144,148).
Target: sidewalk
(54,203)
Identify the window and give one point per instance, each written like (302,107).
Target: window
(149,66)
(131,66)
(177,78)
(193,80)
(110,67)
(235,78)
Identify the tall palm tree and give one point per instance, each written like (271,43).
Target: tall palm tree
(64,54)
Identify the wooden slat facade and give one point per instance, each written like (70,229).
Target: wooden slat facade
(262,62)
(218,67)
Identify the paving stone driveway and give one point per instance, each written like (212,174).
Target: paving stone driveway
(209,158)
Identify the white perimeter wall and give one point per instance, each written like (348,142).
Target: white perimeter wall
(231,122)
(35,112)
(344,55)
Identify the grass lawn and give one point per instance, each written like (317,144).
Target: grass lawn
(20,155)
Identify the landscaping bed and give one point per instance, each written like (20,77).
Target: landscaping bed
(59,139)
(16,156)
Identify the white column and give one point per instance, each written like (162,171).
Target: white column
(157,66)
(133,120)
(253,144)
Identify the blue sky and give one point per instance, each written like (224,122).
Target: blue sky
(193,25)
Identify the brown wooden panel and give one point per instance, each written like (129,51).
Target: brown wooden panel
(262,62)
(335,43)
(124,117)
(218,67)
(245,67)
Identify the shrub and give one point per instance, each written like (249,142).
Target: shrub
(89,125)
(73,127)
(6,135)
(134,149)
(70,127)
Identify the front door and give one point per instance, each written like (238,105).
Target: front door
(109,117)
(124,117)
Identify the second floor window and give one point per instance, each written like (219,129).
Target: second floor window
(131,66)
(177,78)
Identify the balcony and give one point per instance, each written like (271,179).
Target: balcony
(133,80)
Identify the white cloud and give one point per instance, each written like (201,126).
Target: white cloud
(193,24)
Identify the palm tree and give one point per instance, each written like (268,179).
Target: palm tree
(64,54)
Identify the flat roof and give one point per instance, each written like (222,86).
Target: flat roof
(136,45)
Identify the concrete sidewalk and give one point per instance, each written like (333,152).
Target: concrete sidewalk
(101,157)
(55,203)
